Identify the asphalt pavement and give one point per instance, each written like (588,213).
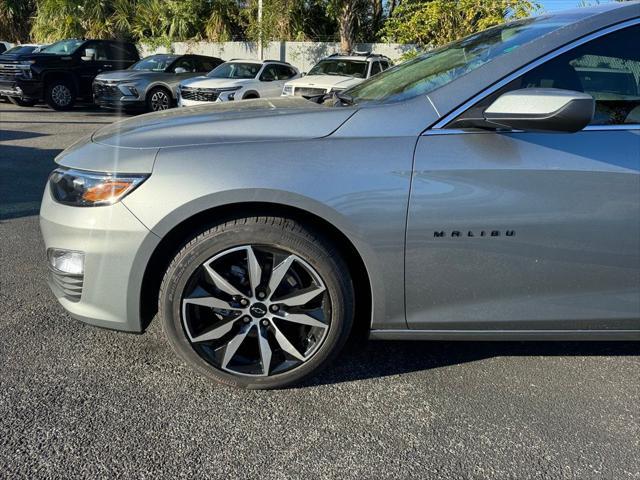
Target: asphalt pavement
(79,401)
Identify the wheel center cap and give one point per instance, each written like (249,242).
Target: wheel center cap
(258,310)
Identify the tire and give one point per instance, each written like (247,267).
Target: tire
(251,96)
(22,103)
(159,99)
(209,337)
(60,94)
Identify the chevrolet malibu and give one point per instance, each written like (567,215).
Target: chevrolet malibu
(488,190)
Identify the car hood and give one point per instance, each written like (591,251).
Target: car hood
(21,57)
(244,121)
(325,81)
(207,82)
(126,75)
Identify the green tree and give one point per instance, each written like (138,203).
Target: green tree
(430,23)
(15,16)
(288,20)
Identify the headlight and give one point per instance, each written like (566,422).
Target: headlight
(287,90)
(128,90)
(227,89)
(25,68)
(91,189)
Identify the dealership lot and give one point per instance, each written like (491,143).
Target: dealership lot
(80,401)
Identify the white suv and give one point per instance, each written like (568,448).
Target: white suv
(337,72)
(237,80)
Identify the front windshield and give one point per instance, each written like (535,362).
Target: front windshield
(235,70)
(154,63)
(432,70)
(63,47)
(345,68)
(21,50)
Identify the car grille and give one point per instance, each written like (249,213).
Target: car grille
(308,91)
(105,90)
(69,285)
(199,94)
(9,70)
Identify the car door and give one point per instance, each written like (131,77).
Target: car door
(270,85)
(93,60)
(519,230)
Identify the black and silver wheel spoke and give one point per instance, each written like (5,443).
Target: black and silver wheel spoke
(256,311)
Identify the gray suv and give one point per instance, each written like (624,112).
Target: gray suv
(151,83)
(488,190)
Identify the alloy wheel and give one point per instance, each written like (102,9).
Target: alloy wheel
(256,310)
(159,101)
(61,95)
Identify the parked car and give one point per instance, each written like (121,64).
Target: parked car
(62,72)
(24,48)
(19,49)
(337,73)
(467,194)
(4,46)
(237,80)
(150,84)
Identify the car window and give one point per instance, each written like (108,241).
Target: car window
(375,68)
(96,50)
(188,63)
(340,67)
(121,52)
(284,72)
(384,64)
(154,63)
(235,70)
(446,64)
(63,47)
(269,74)
(607,68)
(206,64)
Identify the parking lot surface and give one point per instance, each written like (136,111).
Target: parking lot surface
(78,401)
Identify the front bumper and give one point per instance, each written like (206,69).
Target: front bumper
(109,96)
(22,89)
(116,247)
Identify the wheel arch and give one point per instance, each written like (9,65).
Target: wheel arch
(251,94)
(60,74)
(164,86)
(175,238)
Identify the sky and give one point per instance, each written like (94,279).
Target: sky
(556,5)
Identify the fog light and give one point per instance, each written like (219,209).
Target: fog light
(66,261)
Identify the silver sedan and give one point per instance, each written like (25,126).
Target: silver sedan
(488,190)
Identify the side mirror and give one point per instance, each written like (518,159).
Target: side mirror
(542,110)
(180,70)
(89,55)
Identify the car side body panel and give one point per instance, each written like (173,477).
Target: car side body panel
(360,186)
(525,231)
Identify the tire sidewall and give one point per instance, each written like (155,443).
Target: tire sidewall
(190,258)
(49,96)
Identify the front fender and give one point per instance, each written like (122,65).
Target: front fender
(359,186)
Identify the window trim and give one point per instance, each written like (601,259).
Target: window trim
(442,123)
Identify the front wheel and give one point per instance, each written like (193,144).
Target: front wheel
(60,95)
(258,302)
(158,99)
